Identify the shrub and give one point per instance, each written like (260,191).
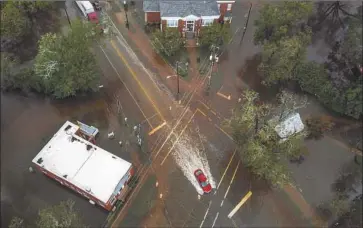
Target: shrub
(167,42)
(317,126)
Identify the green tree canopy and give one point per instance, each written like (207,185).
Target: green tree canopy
(280,19)
(352,46)
(66,64)
(63,215)
(31,7)
(314,79)
(167,42)
(259,145)
(17,222)
(279,59)
(14,23)
(214,35)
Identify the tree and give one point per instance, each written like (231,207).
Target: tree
(14,23)
(31,7)
(214,35)
(63,215)
(15,76)
(349,48)
(314,79)
(277,21)
(289,103)
(167,42)
(243,126)
(7,63)
(261,150)
(318,125)
(334,13)
(354,101)
(16,222)
(66,64)
(280,59)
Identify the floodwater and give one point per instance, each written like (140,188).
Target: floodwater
(27,123)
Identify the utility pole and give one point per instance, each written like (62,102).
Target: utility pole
(65,9)
(213,57)
(177,78)
(127,19)
(245,27)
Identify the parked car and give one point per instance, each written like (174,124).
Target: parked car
(203,181)
(88,11)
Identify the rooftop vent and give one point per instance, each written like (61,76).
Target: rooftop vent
(67,128)
(89,147)
(65,176)
(40,160)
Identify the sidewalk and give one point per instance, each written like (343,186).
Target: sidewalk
(140,42)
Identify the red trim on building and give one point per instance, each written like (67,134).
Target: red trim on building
(153,17)
(108,206)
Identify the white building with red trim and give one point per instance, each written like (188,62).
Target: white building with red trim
(187,15)
(84,167)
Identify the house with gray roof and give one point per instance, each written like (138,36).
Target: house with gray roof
(187,15)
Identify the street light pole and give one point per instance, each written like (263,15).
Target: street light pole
(127,19)
(214,59)
(177,75)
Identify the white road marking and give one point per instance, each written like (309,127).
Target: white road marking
(224,96)
(225,195)
(215,219)
(206,213)
(222,203)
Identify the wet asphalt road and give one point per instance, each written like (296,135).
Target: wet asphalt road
(180,196)
(28,122)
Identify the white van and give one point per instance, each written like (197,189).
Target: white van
(87,10)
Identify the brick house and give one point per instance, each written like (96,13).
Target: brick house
(187,16)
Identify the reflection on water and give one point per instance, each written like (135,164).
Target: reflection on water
(27,123)
(250,76)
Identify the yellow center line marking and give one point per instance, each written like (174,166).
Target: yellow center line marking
(128,90)
(244,199)
(157,128)
(224,96)
(177,139)
(230,137)
(136,79)
(225,171)
(230,183)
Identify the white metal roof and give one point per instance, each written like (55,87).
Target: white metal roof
(290,126)
(95,170)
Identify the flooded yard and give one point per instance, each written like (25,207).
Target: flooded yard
(27,123)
